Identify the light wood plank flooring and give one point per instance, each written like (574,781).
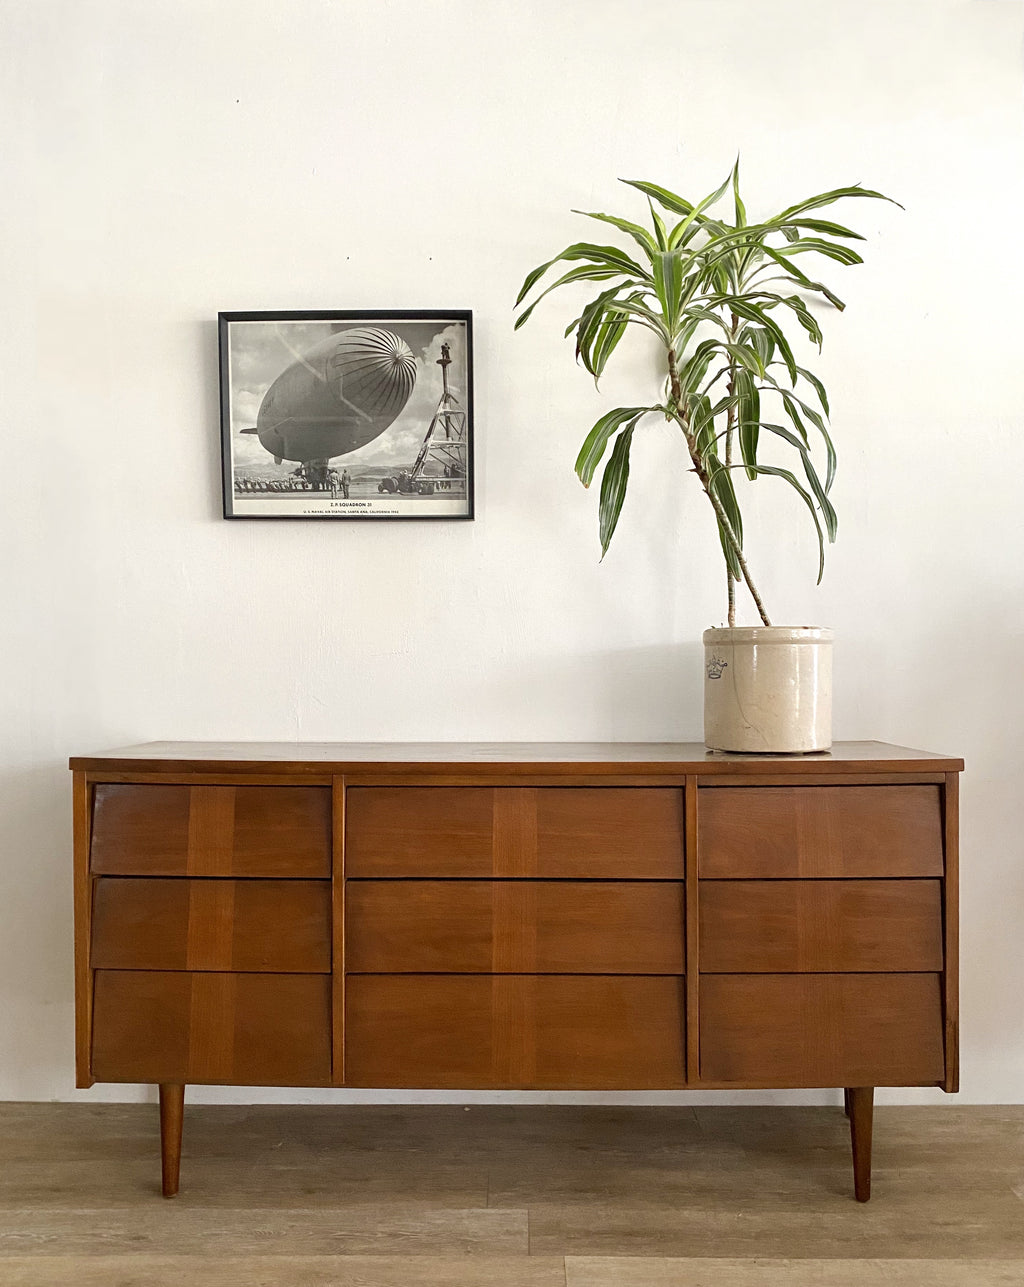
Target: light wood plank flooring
(511,1196)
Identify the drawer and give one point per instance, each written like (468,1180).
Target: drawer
(573,833)
(157,830)
(772,832)
(821,1029)
(514,926)
(782,926)
(230,1029)
(173,924)
(514,1031)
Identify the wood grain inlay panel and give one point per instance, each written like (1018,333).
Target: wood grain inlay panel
(518,927)
(611,833)
(211,831)
(514,1022)
(837,831)
(514,844)
(821,1029)
(586,833)
(157,830)
(210,931)
(516,911)
(213,1004)
(241,1029)
(140,830)
(515,1031)
(248,925)
(782,926)
(418,831)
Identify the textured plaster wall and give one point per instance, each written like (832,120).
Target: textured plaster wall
(164,159)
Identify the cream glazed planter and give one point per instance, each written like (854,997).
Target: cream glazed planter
(768,688)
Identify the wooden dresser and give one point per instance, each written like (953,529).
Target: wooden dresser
(561,916)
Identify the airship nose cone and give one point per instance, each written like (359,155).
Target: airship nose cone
(376,369)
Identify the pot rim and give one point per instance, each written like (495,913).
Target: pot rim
(760,635)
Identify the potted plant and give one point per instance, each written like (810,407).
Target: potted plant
(722,296)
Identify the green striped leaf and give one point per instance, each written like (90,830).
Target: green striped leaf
(595,305)
(780,431)
(720,482)
(788,476)
(702,424)
(660,231)
(668,200)
(701,206)
(791,402)
(801,278)
(692,371)
(646,316)
(827,198)
(613,487)
(753,313)
(639,234)
(738,206)
(828,514)
(794,415)
(668,284)
(596,442)
(817,385)
(749,409)
(819,246)
(821,225)
(747,357)
(805,317)
(611,330)
(582,274)
(763,342)
(602,256)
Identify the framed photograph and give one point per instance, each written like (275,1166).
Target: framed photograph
(347,415)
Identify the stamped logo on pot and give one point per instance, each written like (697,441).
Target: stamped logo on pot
(715,667)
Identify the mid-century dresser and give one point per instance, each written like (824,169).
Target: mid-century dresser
(563,916)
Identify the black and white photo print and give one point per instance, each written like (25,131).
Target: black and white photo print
(347,415)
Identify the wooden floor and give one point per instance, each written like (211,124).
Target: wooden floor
(511,1196)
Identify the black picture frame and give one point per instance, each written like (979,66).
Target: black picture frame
(347,414)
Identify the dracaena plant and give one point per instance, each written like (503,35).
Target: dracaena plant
(719,295)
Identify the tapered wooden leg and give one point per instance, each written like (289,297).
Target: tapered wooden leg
(861,1101)
(172,1113)
(846,1101)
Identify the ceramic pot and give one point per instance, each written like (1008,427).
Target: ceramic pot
(768,688)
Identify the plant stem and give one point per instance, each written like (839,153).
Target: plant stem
(730,422)
(682,419)
(731,588)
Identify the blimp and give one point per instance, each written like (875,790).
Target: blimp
(337,396)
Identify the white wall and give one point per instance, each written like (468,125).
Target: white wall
(169,158)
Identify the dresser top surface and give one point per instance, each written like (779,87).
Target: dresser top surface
(532,757)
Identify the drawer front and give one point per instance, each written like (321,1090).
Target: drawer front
(242,925)
(517,927)
(156,830)
(573,833)
(821,1029)
(819,831)
(782,926)
(514,1031)
(229,1029)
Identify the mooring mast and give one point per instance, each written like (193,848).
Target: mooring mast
(445,443)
